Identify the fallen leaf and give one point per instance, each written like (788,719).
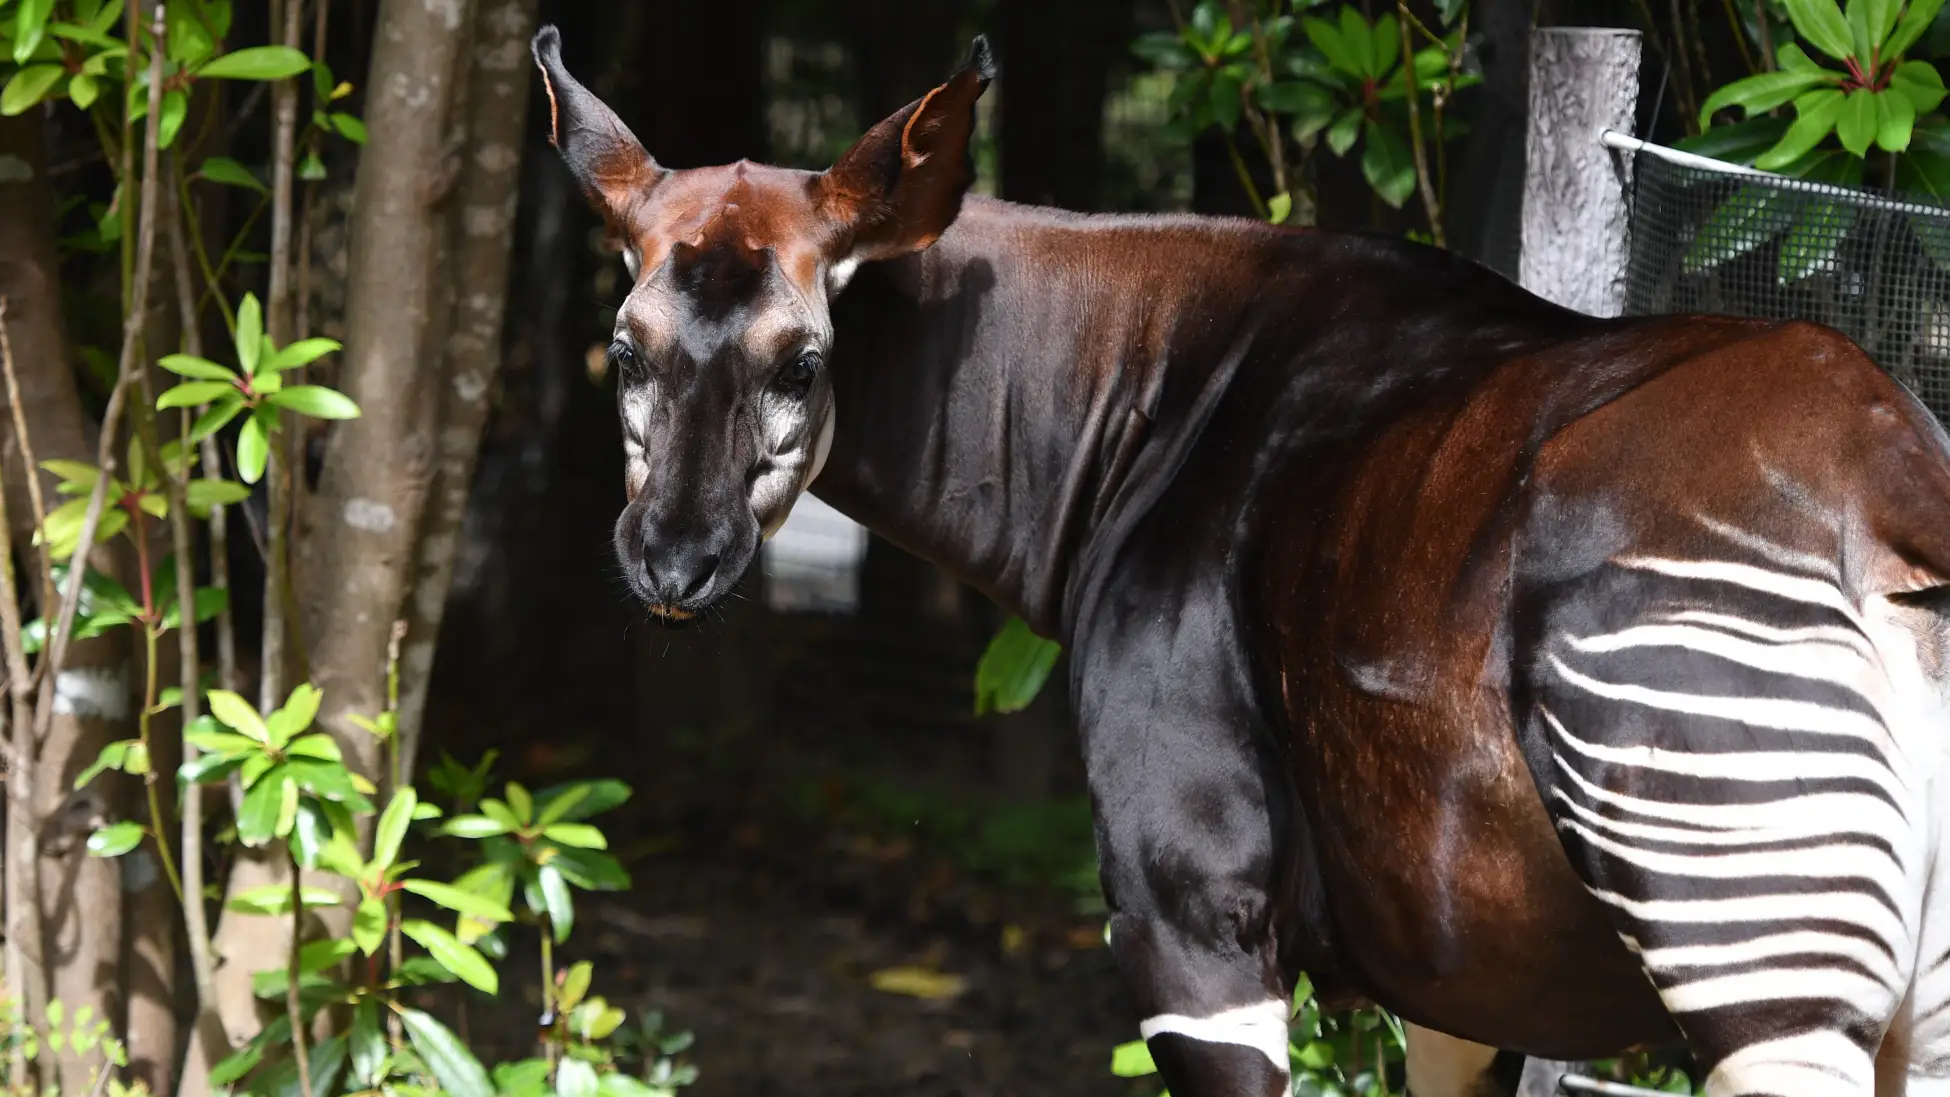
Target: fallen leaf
(918,982)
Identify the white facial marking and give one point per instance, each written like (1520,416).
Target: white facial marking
(92,693)
(839,274)
(632,261)
(1261,1027)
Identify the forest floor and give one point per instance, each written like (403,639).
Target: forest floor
(772,887)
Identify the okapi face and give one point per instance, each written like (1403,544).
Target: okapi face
(720,347)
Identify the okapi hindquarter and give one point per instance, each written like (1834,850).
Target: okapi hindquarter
(1561,684)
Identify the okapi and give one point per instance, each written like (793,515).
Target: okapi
(1562,684)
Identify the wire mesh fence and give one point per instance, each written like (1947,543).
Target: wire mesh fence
(1878,269)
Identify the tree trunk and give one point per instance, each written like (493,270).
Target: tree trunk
(483,232)
(80,897)
(357,538)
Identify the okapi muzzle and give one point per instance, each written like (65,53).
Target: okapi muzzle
(721,346)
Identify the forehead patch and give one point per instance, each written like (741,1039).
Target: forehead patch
(720,267)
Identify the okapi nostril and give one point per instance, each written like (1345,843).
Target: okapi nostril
(707,567)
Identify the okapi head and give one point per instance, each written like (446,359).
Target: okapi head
(720,347)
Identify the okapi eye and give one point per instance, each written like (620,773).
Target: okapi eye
(624,356)
(797,375)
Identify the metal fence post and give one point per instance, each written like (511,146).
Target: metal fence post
(1583,81)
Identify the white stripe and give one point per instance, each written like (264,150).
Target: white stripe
(1809,662)
(1812,1064)
(1793,942)
(1759,765)
(1766,820)
(1836,635)
(1839,906)
(1830,862)
(1871,998)
(1804,817)
(1776,554)
(1814,592)
(1766,712)
(1261,1027)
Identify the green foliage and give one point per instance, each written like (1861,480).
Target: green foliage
(1013,669)
(82,1034)
(1346,79)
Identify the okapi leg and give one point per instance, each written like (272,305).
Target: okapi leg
(1186,845)
(1736,776)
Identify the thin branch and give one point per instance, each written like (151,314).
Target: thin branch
(1245,175)
(1430,204)
(145,254)
(277,575)
(294,969)
(1739,36)
(1766,35)
(27,458)
(21,903)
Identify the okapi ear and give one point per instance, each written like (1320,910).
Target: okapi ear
(900,186)
(607,160)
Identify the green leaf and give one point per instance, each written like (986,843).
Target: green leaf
(299,710)
(1814,238)
(1328,39)
(1748,218)
(202,494)
(472,968)
(1013,669)
(1895,118)
(303,352)
(521,803)
(1164,49)
(220,414)
(249,334)
(555,895)
(1915,20)
(578,800)
(1279,208)
(256,63)
(1738,143)
(192,393)
(475,906)
(111,757)
(318,745)
(1132,1060)
(494,881)
(263,808)
(236,712)
(203,369)
(316,401)
(349,127)
(222,169)
(1920,83)
(456,1068)
(1815,115)
(575,984)
(367,1044)
(474,826)
(175,107)
(1387,164)
(205,735)
(1856,125)
(1359,37)
(1820,23)
(1866,26)
(83,89)
(1345,131)
(369,926)
(276,899)
(30,23)
(1759,94)
(579,835)
(391,830)
(28,87)
(115,839)
(238,1063)
(253,450)
(589,869)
